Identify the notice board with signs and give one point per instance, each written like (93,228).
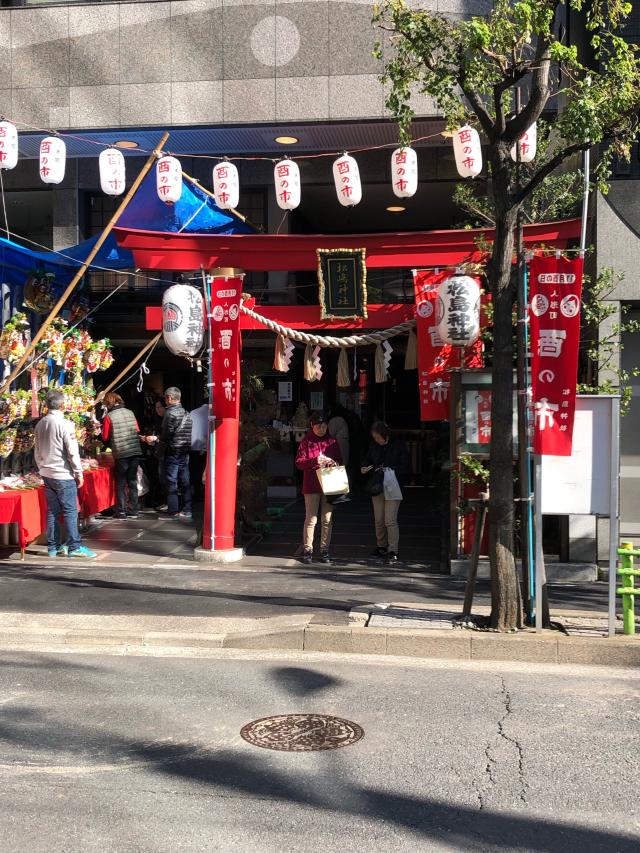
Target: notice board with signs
(580,484)
(342,280)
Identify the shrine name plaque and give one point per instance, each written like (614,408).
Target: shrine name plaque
(342,279)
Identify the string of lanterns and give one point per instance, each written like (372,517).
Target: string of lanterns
(226,184)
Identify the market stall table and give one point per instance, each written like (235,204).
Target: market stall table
(28,507)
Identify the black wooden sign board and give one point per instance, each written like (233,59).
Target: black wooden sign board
(342,277)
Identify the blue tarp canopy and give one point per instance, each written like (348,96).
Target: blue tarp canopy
(195,213)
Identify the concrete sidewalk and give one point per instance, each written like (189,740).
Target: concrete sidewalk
(144,595)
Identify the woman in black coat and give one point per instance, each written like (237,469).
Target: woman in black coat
(386,451)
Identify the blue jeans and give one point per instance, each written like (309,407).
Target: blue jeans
(176,472)
(62,500)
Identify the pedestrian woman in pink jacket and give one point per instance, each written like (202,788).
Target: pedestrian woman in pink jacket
(317,450)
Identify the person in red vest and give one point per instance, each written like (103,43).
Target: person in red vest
(316,450)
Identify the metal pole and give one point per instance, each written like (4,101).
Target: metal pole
(586,163)
(211,419)
(522,397)
(614,510)
(539,552)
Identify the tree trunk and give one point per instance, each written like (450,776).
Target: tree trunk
(506,597)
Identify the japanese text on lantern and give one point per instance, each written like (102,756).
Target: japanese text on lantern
(464,136)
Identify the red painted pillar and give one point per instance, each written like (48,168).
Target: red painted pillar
(226,476)
(223,444)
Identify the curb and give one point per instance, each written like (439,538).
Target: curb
(547,647)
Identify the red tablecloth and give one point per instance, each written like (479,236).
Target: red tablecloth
(28,507)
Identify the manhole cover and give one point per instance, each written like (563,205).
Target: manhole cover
(301,732)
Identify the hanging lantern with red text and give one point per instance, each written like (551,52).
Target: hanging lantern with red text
(53,159)
(346,176)
(226,185)
(8,145)
(183,320)
(112,171)
(286,175)
(458,310)
(527,144)
(467,151)
(404,172)
(169,179)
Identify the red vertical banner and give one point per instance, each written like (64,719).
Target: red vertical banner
(435,358)
(554,318)
(225,331)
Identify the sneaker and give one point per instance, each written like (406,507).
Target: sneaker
(379,552)
(392,558)
(84,553)
(52,552)
(185,516)
(132,515)
(324,557)
(63,551)
(120,515)
(161,508)
(173,515)
(307,557)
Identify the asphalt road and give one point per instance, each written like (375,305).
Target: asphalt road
(144,754)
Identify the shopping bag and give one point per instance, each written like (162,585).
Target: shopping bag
(143,483)
(333,481)
(392,490)
(374,484)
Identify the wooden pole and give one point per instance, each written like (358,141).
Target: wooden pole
(137,357)
(60,303)
(211,195)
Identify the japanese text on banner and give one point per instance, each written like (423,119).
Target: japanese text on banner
(225,334)
(435,358)
(554,316)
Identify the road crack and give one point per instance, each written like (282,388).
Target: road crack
(491,766)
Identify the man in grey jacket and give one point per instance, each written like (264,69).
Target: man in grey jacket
(58,459)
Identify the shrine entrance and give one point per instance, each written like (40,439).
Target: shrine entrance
(426,515)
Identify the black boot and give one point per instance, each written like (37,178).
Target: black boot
(324,557)
(307,556)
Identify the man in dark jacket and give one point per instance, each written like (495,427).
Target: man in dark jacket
(121,433)
(175,438)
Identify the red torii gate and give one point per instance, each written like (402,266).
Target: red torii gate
(297,252)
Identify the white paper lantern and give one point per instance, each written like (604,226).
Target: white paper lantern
(346,176)
(183,319)
(286,176)
(528,143)
(226,185)
(112,171)
(8,145)
(169,179)
(468,151)
(53,159)
(404,172)
(458,311)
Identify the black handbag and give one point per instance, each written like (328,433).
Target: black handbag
(374,484)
